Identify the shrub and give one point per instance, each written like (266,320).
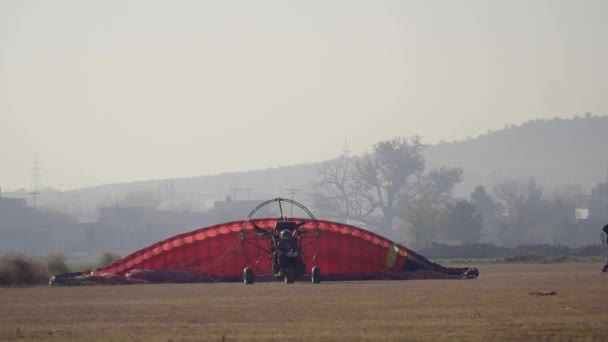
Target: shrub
(590,250)
(56,264)
(108,258)
(486,250)
(21,270)
(564,258)
(530,257)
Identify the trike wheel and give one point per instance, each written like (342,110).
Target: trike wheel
(316,275)
(248,276)
(290,275)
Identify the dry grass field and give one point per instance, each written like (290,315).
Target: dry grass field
(497,306)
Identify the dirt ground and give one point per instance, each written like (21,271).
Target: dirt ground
(497,306)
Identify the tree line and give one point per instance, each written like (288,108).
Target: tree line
(389,189)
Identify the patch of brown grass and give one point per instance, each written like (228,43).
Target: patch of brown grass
(497,306)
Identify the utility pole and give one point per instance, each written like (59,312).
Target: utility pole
(233,193)
(248,193)
(35,180)
(292,192)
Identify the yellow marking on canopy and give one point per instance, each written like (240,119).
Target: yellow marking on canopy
(391,256)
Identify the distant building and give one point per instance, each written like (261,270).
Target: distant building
(7,203)
(25,229)
(130,218)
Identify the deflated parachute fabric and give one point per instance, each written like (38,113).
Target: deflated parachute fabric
(344,252)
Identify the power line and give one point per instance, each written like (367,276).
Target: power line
(235,190)
(345,150)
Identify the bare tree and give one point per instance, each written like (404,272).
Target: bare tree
(511,194)
(337,194)
(355,187)
(388,173)
(525,216)
(390,180)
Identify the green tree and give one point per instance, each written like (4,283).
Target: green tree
(423,210)
(462,222)
(533,217)
(562,227)
(490,211)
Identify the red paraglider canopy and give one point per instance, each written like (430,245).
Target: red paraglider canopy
(345,252)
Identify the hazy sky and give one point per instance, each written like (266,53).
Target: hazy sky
(112,91)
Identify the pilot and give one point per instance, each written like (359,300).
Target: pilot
(285,234)
(285,246)
(285,242)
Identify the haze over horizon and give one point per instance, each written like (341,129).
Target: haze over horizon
(118,91)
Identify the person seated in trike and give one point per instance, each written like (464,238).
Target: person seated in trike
(285,248)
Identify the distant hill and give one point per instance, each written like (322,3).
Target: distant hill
(185,194)
(555,152)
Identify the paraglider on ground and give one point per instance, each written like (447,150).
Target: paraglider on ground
(220,253)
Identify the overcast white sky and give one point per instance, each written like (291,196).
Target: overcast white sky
(112,91)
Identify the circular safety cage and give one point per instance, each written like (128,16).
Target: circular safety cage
(267,220)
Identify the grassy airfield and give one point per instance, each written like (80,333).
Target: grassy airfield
(497,306)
